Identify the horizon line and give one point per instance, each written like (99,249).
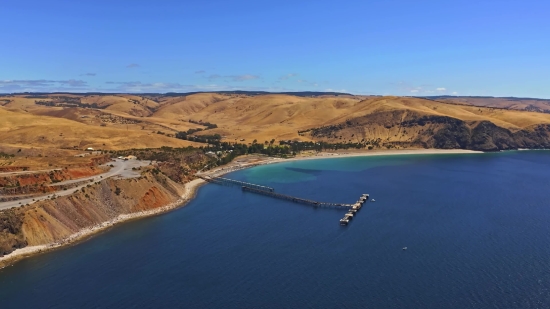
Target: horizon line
(260,92)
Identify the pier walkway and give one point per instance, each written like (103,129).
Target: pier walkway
(222,180)
(294,199)
(268,191)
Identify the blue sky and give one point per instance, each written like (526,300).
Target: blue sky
(400,47)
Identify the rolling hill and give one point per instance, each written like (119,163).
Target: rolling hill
(151,120)
(527,104)
(22,129)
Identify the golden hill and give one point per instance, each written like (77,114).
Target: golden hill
(128,121)
(527,104)
(282,116)
(20,129)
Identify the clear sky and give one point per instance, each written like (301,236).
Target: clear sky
(399,47)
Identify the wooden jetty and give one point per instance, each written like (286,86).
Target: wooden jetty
(228,181)
(295,199)
(268,191)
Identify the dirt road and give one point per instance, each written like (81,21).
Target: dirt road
(121,169)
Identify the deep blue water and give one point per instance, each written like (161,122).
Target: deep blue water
(476,227)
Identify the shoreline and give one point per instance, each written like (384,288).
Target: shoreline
(376,153)
(191,189)
(18,254)
(234,166)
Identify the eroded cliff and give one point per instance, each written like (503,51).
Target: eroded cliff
(54,220)
(414,130)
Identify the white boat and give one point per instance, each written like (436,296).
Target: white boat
(404,248)
(373,200)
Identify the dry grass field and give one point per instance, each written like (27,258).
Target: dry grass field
(282,116)
(537,105)
(24,129)
(123,121)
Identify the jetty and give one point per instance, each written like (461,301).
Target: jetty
(354,209)
(295,199)
(268,191)
(222,180)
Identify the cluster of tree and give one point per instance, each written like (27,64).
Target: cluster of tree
(322,146)
(207,138)
(156,154)
(58,99)
(68,104)
(229,151)
(289,147)
(327,131)
(210,138)
(186,134)
(208,125)
(284,149)
(6,156)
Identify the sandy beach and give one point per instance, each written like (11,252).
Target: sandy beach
(237,164)
(192,187)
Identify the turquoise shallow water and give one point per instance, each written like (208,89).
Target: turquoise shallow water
(476,228)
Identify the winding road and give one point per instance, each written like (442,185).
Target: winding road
(121,169)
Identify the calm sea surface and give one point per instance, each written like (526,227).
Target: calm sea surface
(477,228)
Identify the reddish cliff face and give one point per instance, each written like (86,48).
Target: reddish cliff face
(99,160)
(49,177)
(43,182)
(6,169)
(54,220)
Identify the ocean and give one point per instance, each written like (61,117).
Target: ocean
(476,228)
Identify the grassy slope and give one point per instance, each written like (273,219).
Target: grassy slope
(507,103)
(27,130)
(262,117)
(281,116)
